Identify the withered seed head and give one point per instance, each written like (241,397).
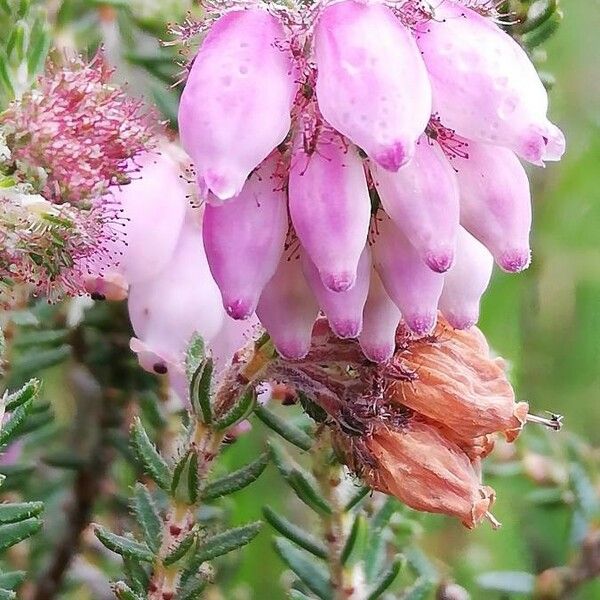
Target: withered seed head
(423,469)
(458,384)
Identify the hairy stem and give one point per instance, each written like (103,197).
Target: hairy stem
(180,517)
(329,475)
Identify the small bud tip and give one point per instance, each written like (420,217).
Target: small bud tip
(514,261)
(338,282)
(439,261)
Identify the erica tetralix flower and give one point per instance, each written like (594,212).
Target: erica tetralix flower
(391,131)
(419,426)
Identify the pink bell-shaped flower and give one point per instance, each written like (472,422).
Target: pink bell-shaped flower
(411,284)
(495,203)
(344,310)
(372,85)
(380,321)
(330,208)
(466,282)
(154,203)
(235,108)
(288,310)
(484,85)
(181,300)
(422,200)
(244,239)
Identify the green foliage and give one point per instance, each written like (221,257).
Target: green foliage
(296,534)
(226,541)
(238,480)
(386,579)
(149,457)
(311,573)
(147,516)
(286,430)
(124,546)
(545,321)
(25,44)
(18,520)
(241,409)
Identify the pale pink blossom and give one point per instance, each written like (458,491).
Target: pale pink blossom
(466,282)
(330,208)
(344,310)
(495,203)
(288,309)
(182,300)
(411,284)
(236,104)
(380,321)
(485,86)
(151,213)
(244,239)
(422,200)
(372,85)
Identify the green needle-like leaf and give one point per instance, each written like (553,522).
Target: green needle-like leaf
(237,480)
(307,492)
(386,579)
(225,542)
(123,545)
(240,410)
(310,572)
(296,534)
(181,549)
(124,592)
(28,392)
(19,511)
(13,533)
(200,387)
(147,516)
(152,461)
(292,434)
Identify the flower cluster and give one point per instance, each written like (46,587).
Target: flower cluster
(362,158)
(68,143)
(419,426)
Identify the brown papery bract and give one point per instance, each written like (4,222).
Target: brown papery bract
(428,472)
(457,383)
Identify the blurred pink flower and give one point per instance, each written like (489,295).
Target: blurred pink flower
(79,129)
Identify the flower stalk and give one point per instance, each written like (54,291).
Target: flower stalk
(330,475)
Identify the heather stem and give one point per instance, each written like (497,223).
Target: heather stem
(329,474)
(179,518)
(204,441)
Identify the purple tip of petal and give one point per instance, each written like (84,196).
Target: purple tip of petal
(462,321)
(240,309)
(346,328)
(292,349)
(338,282)
(514,261)
(555,143)
(421,324)
(439,261)
(221,186)
(378,354)
(393,157)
